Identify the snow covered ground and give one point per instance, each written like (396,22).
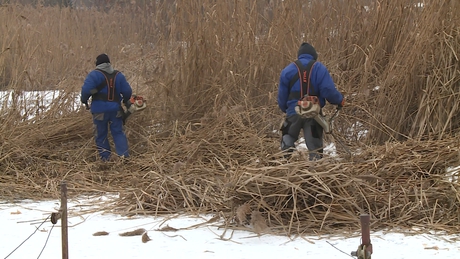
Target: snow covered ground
(23,219)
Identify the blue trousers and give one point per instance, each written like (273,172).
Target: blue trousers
(102,123)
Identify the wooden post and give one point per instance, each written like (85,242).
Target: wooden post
(64,233)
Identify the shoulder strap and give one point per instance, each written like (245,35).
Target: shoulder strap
(110,83)
(304,73)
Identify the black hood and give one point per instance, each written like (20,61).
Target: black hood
(306,48)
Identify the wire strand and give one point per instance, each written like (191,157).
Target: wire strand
(46,241)
(28,237)
(338,249)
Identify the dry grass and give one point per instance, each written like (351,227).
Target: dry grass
(206,143)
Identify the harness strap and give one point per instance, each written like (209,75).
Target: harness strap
(110,83)
(304,73)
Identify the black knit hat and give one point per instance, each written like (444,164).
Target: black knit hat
(103,58)
(306,48)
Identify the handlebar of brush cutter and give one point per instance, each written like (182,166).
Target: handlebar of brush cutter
(337,111)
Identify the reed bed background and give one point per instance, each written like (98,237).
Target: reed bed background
(207,141)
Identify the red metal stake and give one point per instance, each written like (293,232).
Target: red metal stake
(365,248)
(366,232)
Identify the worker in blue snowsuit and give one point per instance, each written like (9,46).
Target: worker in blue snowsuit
(107,88)
(322,86)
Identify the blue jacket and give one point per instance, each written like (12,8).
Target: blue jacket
(94,78)
(321,81)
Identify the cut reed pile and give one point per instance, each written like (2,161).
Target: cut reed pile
(206,143)
(219,167)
